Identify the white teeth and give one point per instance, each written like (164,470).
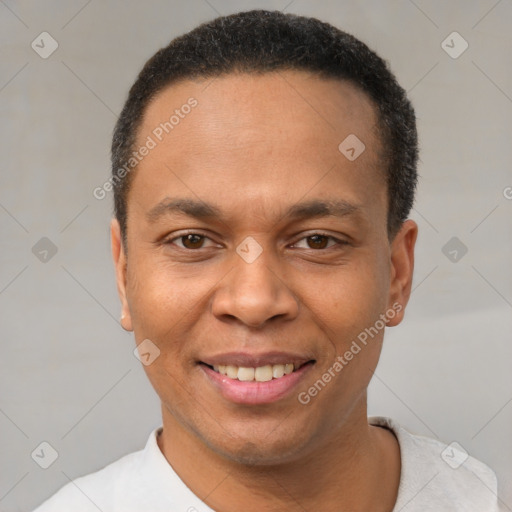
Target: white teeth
(277,371)
(231,371)
(259,374)
(245,374)
(263,373)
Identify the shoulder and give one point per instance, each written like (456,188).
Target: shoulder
(95,491)
(139,481)
(438,476)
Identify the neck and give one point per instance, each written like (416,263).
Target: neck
(356,469)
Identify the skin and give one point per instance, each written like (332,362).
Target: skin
(254,146)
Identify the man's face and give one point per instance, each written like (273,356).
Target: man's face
(261,152)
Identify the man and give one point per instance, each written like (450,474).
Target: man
(264,167)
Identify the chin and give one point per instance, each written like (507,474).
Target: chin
(272,447)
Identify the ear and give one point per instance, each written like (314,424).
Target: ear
(119,257)
(402,267)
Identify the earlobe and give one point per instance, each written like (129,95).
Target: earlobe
(119,257)
(402,268)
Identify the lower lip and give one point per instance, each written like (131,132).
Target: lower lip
(253,392)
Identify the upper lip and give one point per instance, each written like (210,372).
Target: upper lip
(251,360)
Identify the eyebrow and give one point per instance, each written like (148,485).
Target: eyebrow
(202,210)
(190,207)
(321,208)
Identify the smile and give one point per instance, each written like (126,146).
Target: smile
(253,380)
(259,374)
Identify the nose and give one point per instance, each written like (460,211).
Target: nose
(254,294)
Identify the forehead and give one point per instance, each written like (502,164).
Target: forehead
(261,101)
(262,132)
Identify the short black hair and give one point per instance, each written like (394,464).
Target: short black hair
(260,41)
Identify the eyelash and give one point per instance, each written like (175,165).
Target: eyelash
(337,241)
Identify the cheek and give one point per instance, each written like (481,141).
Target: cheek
(155,299)
(162,306)
(351,298)
(348,307)
(163,299)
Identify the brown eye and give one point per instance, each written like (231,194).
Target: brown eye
(317,241)
(192,241)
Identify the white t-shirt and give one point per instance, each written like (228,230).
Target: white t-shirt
(435,477)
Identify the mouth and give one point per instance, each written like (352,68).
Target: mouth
(245,379)
(264,373)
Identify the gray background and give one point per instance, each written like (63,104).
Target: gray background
(68,375)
